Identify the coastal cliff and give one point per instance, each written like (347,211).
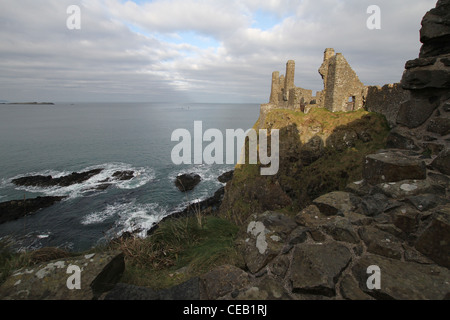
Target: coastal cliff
(363,182)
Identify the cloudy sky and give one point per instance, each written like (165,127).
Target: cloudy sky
(194,50)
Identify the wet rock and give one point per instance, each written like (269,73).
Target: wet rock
(336,203)
(380,242)
(403,280)
(15,209)
(48,281)
(315,268)
(123,175)
(187,182)
(391,166)
(264,238)
(435,240)
(225,177)
(48,181)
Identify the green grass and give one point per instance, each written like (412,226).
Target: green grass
(179,250)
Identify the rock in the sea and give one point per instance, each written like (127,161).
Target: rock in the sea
(123,175)
(49,181)
(15,209)
(225,177)
(187,182)
(99,272)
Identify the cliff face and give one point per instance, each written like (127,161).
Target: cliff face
(340,203)
(320,152)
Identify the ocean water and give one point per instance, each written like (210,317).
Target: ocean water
(60,139)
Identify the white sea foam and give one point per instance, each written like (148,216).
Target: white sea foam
(129,217)
(142,176)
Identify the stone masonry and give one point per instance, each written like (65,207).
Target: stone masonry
(343,91)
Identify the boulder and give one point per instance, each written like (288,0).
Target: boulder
(15,209)
(223,280)
(350,290)
(123,292)
(418,109)
(266,288)
(336,203)
(435,32)
(434,242)
(225,177)
(393,165)
(397,140)
(407,188)
(380,242)
(439,126)
(315,268)
(442,162)
(263,238)
(403,280)
(342,230)
(49,281)
(187,182)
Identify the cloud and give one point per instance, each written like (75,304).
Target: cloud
(198,50)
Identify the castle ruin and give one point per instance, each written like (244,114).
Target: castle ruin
(343,91)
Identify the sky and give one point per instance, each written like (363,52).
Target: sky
(221,51)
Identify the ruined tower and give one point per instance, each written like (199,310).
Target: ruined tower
(276,88)
(289,79)
(343,91)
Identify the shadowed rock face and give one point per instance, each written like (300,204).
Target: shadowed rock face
(15,209)
(187,182)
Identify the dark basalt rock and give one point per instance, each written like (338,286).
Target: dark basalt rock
(227,176)
(15,209)
(123,175)
(187,182)
(48,181)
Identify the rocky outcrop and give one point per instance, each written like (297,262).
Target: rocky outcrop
(49,181)
(187,182)
(428,79)
(99,272)
(225,177)
(15,209)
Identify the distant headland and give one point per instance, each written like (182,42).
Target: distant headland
(33,103)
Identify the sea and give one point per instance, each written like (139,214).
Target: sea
(63,138)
